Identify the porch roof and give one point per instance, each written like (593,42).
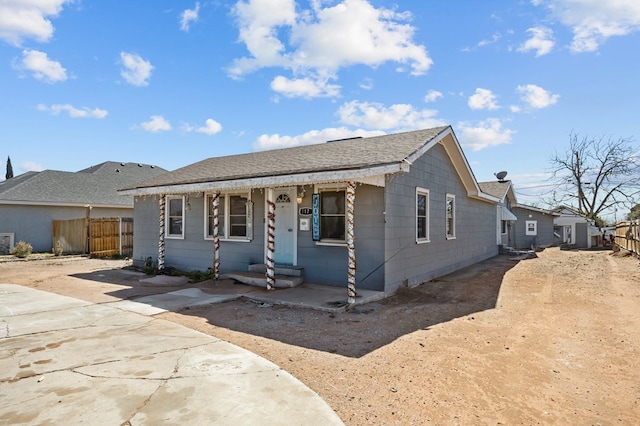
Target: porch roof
(366,160)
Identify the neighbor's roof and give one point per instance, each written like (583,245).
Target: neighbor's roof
(497,189)
(358,159)
(96,186)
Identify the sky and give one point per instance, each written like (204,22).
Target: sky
(170,83)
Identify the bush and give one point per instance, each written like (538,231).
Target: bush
(22,249)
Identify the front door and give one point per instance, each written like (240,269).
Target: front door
(286,230)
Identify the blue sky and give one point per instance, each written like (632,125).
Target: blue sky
(171,83)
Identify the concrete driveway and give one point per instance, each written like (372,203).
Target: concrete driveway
(67,361)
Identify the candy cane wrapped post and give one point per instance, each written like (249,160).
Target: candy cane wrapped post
(351,278)
(271,240)
(215,205)
(161,203)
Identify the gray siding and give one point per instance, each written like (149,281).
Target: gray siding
(328,264)
(195,252)
(545,236)
(409,263)
(34,224)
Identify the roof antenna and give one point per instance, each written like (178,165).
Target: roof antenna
(500,176)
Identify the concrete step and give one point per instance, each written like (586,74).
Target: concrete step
(258,279)
(289,270)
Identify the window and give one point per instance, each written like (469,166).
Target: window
(532,227)
(503,226)
(451,216)
(422,215)
(175,214)
(233,217)
(332,215)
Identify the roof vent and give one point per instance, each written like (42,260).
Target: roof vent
(500,176)
(345,139)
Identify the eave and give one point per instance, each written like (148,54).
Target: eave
(371,175)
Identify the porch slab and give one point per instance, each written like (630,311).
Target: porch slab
(258,279)
(315,296)
(172,301)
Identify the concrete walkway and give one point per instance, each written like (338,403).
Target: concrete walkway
(67,361)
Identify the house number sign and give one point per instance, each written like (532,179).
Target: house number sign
(315,217)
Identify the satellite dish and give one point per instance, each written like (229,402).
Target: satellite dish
(501,176)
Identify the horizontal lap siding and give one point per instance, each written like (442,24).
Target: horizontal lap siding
(194,252)
(545,235)
(328,264)
(410,263)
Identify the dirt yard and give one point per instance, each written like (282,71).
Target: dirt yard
(550,340)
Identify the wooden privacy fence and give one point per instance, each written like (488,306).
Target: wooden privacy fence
(99,237)
(628,236)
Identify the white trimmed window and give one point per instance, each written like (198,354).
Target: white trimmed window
(451,216)
(333,221)
(234,217)
(175,217)
(422,215)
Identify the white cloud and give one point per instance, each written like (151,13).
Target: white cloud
(211,127)
(188,16)
(136,70)
(28,19)
(304,87)
(483,99)
(494,38)
(541,41)
(30,166)
(536,96)
(366,83)
(432,96)
(323,40)
(483,134)
(397,117)
(73,112)
(594,21)
(42,68)
(266,142)
(156,124)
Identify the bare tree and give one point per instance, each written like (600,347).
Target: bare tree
(597,173)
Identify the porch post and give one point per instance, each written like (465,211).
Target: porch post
(161,203)
(215,204)
(351,278)
(271,240)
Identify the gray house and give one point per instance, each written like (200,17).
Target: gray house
(505,219)
(534,227)
(519,226)
(31,201)
(377,213)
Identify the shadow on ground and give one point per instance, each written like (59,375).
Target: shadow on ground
(353,334)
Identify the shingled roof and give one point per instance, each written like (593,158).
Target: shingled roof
(96,186)
(344,158)
(497,189)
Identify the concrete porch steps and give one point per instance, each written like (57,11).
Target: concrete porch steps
(286,276)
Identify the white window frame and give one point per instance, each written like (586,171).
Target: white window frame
(225,207)
(425,193)
(450,235)
(531,227)
(319,189)
(167,231)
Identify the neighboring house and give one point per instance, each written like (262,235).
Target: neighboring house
(31,201)
(519,226)
(377,213)
(534,227)
(505,219)
(574,229)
